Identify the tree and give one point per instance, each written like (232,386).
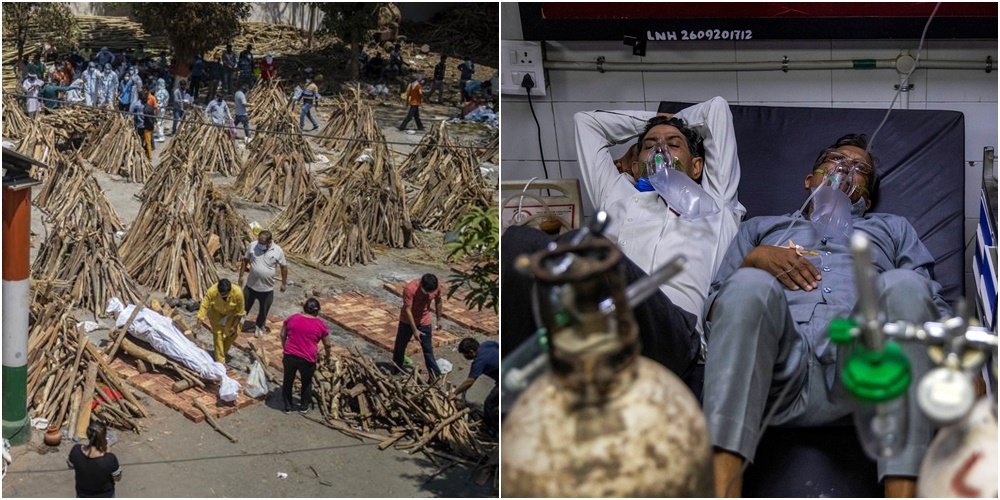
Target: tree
(37,21)
(192,28)
(351,22)
(478,242)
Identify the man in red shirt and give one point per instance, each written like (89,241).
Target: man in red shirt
(268,68)
(416,310)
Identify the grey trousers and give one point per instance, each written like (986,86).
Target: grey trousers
(755,351)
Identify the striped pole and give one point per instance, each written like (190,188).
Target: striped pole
(16,243)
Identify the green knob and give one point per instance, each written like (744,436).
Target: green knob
(842,330)
(877,376)
(543,339)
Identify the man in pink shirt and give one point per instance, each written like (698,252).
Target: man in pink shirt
(300,337)
(416,314)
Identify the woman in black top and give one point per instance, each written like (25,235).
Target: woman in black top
(97,471)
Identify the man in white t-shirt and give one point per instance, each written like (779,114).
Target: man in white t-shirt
(649,231)
(261,260)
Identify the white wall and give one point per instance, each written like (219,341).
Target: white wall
(973,92)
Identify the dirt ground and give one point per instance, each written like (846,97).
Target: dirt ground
(175,457)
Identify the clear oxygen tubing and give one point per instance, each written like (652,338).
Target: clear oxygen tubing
(871,141)
(520,216)
(784,392)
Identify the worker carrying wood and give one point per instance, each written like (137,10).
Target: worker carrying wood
(261,259)
(224,308)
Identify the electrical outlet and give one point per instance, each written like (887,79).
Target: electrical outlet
(521,58)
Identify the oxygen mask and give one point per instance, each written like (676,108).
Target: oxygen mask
(832,199)
(670,179)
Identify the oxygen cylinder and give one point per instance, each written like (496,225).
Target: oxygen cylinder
(604,421)
(962,459)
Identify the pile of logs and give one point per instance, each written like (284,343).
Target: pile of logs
(278,125)
(165,251)
(342,125)
(278,39)
(276,169)
(118,149)
(228,231)
(75,123)
(118,33)
(211,148)
(267,98)
(178,180)
(71,195)
(354,393)
(38,141)
(87,261)
(15,120)
(491,151)
(447,180)
(365,176)
(451,28)
(69,380)
(273,176)
(324,228)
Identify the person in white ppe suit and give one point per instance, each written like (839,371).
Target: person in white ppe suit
(162,97)
(109,85)
(93,80)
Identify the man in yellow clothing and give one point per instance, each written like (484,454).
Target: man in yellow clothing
(223,306)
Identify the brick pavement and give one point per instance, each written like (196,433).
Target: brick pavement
(486,321)
(372,319)
(271,341)
(157,386)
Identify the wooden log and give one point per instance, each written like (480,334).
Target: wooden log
(86,402)
(113,349)
(211,420)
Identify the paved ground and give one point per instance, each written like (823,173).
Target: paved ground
(175,457)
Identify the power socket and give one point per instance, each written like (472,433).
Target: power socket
(521,58)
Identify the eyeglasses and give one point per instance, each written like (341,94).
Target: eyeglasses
(858,165)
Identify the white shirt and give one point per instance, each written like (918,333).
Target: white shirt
(640,222)
(262,266)
(31,87)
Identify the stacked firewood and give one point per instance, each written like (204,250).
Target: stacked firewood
(179,180)
(38,141)
(75,123)
(69,380)
(267,98)
(15,120)
(447,180)
(366,178)
(118,33)
(324,228)
(342,124)
(359,399)
(491,151)
(276,170)
(228,232)
(87,261)
(276,124)
(165,251)
(210,147)
(277,39)
(118,149)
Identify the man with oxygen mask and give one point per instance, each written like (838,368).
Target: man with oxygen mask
(691,156)
(781,282)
